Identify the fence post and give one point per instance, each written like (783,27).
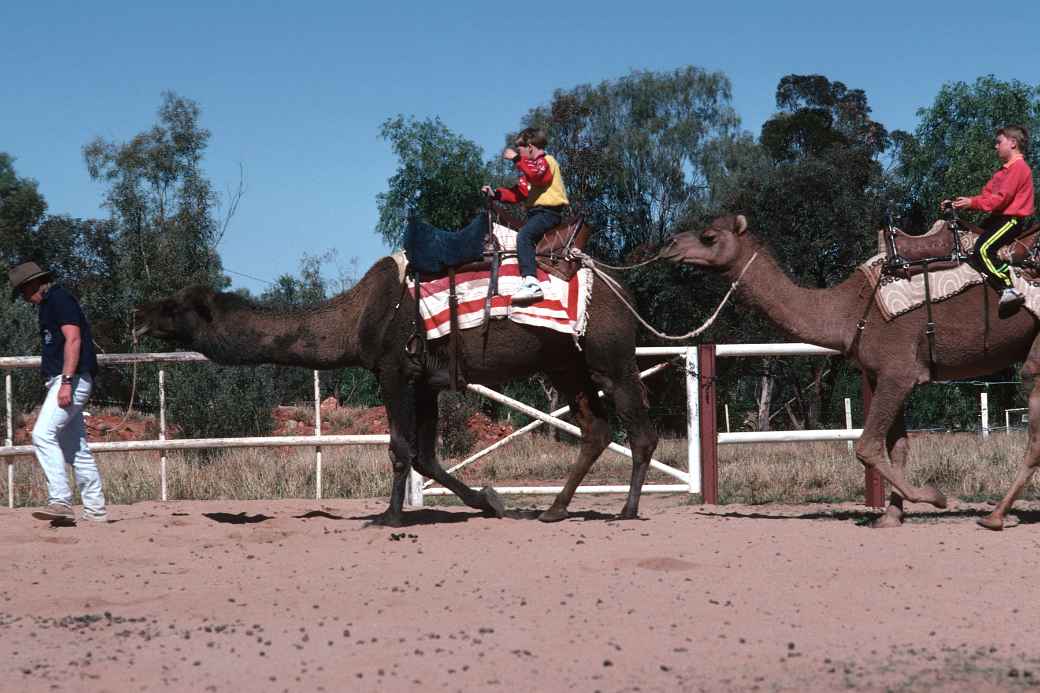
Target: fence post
(9,440)
(984,406)
(162,432)
(848,425)
(874,493)
(317,432)
(693,421)
(708,428)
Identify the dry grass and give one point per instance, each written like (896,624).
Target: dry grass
(962,465)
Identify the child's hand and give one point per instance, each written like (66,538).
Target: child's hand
(509,154)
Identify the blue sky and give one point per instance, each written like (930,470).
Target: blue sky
(295,92)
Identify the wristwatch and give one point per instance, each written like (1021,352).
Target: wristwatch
(66,379)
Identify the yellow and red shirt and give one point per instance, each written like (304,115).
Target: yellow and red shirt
(540,183)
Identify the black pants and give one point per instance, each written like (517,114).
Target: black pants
(540,220)
(998,231)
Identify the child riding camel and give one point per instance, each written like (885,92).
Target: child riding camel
(541,189)
(1008,198)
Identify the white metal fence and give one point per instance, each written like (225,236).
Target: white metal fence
(689,479)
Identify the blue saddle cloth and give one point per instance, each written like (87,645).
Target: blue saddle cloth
(434,250)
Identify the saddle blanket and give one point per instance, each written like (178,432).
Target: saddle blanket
(897,296)
(564,308)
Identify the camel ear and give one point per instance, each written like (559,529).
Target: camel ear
(741,222)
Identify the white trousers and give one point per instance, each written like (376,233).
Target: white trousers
(59,438)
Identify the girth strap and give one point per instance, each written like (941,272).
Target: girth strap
(453,339)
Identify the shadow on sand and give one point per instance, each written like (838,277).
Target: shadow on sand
(310,515)
(863,518)
(237,519)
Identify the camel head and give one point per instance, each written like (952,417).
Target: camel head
(178,318)
(717,248)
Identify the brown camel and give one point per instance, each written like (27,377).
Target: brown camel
(893,355)
(369,326)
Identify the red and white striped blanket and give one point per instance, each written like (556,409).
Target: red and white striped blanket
(563,309)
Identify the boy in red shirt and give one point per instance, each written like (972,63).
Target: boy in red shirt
(1008,197)
(541,189)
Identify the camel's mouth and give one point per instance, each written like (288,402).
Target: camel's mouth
(679,248)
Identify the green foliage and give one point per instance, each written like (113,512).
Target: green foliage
(21,209)
(439,176)
(951,152)
(209,401)
(357,387)
(162,205)
(641,152)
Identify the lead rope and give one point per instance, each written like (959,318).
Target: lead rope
(133,377)
(590,263)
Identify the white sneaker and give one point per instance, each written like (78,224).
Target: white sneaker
(529,292)
(94,515)
(1011,296)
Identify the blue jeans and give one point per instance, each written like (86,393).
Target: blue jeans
(59,438)
(539,222)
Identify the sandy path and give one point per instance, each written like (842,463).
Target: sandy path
(296,595)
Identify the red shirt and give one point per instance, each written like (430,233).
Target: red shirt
(1008,192)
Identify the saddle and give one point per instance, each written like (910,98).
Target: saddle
(552,254)
(941,248)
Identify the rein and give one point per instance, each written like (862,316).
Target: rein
(588,262)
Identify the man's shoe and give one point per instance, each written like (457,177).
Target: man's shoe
(529,292)
(94,515)
(55,512)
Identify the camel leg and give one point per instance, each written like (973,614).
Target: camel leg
(898,449)
(872,449)
(591,417)
(426,462)
(995,520)
(632,407)
(400,411)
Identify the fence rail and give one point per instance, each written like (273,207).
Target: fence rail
(701,475)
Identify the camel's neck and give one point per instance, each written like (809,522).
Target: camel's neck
(825,317)
(311,338)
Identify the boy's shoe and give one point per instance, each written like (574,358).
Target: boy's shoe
(94,515)
(55,512)
(529,292)
(1010,301)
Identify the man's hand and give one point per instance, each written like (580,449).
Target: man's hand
(961,202)
(65,395)
(488,191)
(509,154)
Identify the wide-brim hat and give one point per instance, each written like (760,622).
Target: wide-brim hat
(19,275)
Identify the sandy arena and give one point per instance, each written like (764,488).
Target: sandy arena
(303,596)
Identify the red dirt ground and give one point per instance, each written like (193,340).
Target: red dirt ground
(303,596)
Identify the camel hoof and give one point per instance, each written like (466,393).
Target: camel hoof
(992,522)
(933,496)
(553,515)
(887,521)
(627,514)
(493,502)
(386,519)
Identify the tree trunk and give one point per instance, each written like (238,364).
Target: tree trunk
(765,396)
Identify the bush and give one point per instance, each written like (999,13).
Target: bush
(208,401)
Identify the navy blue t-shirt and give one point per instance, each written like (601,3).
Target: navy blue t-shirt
(60,308)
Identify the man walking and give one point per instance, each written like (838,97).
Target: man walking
(68,367)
